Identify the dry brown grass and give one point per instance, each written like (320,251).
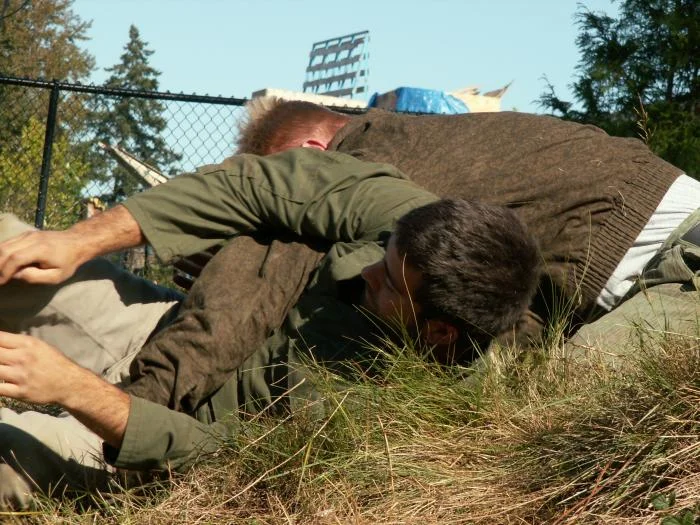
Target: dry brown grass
(539,441)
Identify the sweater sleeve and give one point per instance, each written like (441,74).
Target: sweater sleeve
(325,195)
(158,438)
(214,331)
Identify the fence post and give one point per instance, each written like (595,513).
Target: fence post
(46,158)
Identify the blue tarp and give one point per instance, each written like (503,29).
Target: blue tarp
(418,100)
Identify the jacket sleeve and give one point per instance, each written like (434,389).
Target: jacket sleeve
(214,331)
(325,195)
(158,438)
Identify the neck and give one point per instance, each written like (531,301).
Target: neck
(332,127)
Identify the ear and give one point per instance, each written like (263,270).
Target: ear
(440,333)
(313,143)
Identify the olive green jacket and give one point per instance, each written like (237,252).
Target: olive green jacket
(308,193)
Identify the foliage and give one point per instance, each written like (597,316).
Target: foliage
(134,123)
(645,61)
(19,178)
(39,39)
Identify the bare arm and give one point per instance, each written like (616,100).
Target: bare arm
(34,371)
(51,257)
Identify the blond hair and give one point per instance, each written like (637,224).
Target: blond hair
(272,124)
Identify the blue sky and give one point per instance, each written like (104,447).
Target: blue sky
(235,47)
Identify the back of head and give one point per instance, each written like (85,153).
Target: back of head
(273,124)
(479,265)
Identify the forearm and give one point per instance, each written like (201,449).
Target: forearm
(31,370)
(51,257)
(100,406)
(114,230)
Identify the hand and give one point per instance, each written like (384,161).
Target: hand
(32,370)
(41,257)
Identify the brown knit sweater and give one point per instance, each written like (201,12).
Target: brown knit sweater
(244,292)
(584,195)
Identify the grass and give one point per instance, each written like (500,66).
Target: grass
(523,441)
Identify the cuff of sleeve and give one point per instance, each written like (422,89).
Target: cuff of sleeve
(148,229)
(128,453)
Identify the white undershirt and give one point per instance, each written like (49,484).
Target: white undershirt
(681,199)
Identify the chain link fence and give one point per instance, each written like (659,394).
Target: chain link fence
(51,165)
(53,171)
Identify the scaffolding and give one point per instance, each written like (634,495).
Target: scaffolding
(338,67)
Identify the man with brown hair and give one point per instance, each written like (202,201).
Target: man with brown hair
(452,273)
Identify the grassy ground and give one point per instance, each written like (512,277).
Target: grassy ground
(523,441)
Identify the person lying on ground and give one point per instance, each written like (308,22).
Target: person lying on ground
(600,207)
(452,272)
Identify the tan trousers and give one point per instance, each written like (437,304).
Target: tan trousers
(665,302)
(100,318)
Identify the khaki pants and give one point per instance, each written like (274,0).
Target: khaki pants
(100,318)
(666,301)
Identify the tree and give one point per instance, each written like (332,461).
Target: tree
(39,39)
(638,76)
(135,123)
(19,178)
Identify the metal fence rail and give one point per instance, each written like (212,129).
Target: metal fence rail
(48,149)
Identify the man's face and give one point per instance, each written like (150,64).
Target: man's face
(390,288)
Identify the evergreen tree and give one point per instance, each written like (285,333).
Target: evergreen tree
(638,76)
(134,123)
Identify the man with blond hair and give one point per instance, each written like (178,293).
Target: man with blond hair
(603,209)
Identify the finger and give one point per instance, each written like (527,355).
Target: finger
(10,374)
(35,275)
(17,243)
(10,390)
(17,257)
(13,240)
(9,265)
(8,340)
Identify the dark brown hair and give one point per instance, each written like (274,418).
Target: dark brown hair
(480,266)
